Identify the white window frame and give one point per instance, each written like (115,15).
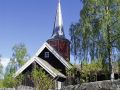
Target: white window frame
(46,54)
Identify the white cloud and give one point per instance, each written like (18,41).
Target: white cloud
(5,62)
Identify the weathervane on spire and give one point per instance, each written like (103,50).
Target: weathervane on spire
(58,30)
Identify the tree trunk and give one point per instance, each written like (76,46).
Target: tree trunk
(109,49)
(109,44)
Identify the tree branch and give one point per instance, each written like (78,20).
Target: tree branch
(115,37)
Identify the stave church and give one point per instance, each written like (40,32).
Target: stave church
(53,56)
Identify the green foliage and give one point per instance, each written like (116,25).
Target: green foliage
(18,80)
(90,71)
(73,75)
(75,45)
(86,72)
(1,69)
(1,74)
(98,31)
(72,71)
(41,80)
(10,82)
(1,84)
(20,54)
(19,57)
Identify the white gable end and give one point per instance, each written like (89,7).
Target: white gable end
(55,53)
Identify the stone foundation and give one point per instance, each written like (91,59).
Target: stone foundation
(100,85)
(19,88)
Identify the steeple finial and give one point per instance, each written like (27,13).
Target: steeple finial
(58,24)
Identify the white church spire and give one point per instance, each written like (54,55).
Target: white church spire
(58,24)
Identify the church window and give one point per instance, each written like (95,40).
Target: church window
(46,55)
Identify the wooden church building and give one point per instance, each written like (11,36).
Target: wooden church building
(53,56)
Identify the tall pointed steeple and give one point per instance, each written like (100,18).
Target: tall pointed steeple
(58,41)
(58,24)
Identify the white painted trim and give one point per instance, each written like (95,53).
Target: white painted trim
(49,68)
(45,67)
(54,52)
(37,61)
(35,58)
(40,49)
(42,64)
(24,67)
(59,85)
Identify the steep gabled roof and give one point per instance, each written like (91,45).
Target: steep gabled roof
(46,66)
(55,53)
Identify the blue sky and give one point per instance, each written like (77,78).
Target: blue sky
(31,22)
